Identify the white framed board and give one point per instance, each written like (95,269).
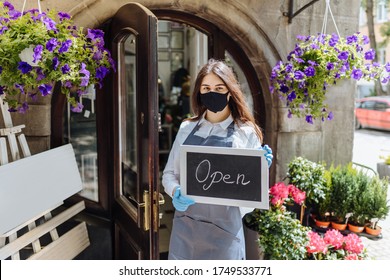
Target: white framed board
(225,176)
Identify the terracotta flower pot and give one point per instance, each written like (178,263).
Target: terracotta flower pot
(356,229)
(375,231)
(339,226)
(322,224)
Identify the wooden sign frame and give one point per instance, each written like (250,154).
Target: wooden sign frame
(246,188)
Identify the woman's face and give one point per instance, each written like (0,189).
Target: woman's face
(212,82)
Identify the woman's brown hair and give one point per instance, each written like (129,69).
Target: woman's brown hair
(237,104)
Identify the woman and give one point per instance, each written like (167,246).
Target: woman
(222,118)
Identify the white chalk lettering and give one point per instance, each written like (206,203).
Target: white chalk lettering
(216,176)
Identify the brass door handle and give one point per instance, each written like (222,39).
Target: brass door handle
(146,204)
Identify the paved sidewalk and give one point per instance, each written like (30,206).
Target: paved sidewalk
(368,146)
(378,249)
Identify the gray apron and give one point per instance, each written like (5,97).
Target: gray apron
(205,231)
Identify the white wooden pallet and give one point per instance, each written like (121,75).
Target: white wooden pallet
(30,189)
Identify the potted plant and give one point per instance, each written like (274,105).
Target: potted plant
(317,62)
(281,236)
(359,202)
(343,180)
(378,204)
(323,208)
(41,48)
(309,177)
(383,168)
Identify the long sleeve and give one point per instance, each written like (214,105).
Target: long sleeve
(171,173)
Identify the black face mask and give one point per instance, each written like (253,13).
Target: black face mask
(214,101)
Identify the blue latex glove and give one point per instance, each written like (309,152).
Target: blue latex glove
(181,202)
(268,154)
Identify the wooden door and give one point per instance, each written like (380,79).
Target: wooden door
(135,203)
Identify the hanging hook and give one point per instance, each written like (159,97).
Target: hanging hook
(290,14)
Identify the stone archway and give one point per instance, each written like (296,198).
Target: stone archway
(242,28)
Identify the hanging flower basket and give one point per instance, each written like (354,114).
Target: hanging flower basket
(318,62)
(38,49)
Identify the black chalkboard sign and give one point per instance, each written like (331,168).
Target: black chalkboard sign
(225,176)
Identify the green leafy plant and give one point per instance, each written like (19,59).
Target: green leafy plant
(309,177)
(386,159)
(343,182)
(318,62)
(281,236)
(38,49)
(323,209)
(360,200)
(377,207)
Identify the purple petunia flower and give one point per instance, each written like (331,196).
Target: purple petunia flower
(98,55)
(352,39)
(366,40)
(2,29)
(315,47)
(289,67)
(50,24)
(299,75)
(329,66)
(291,96)
(343,55)
(37,53)
(387,67)
(51,44)
(78,108)
(310,71)
(40,75)
(67,84)
(357,74)
(45,89)
(370,54)
(284,89)
(8,5)
(94,34)
(23,109)
(20,87)
(55,63)
(14,14)
(289,114)
(24,67)
(65,69)
(330,116)
(309,119)
(65,46)
(63,16)
(101,72)
(271,89)
(85,79)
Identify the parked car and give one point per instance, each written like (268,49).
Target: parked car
(373,112)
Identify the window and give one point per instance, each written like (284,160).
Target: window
(382,56)
(369,105)
(381,15)
(381,106)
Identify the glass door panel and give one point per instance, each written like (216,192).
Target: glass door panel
(128,129)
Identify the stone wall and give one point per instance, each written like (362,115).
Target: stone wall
(266,37)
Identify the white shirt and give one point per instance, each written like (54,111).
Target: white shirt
(244,136)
